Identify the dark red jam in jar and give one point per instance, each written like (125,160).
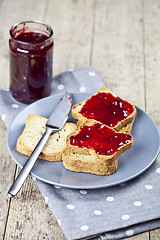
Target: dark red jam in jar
(101,138)
(107,109)
(31,53)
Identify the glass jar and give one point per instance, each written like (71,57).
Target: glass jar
(31,52)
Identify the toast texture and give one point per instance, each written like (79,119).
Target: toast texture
(32,133)
(86,158)
(88,163)
(123,125)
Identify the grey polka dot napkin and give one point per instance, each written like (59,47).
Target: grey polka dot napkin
(110,213)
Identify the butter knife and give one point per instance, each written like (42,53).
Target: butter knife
(55,123)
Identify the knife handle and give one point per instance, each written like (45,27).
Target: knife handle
(29,164)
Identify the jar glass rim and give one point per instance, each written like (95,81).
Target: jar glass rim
(25,22)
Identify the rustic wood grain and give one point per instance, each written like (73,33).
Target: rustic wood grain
(118,48)
(152,58)
(29,216)
(155,234)
(72,24)
(142,236)
(7,167)
(152,67)
(120,39)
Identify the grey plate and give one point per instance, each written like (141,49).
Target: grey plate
(131,163)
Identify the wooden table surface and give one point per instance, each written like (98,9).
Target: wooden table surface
(121,40)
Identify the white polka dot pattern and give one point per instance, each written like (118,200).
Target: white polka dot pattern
(97,212)
(83,192)
(60,87)
(15,105)
(84,227)
(129,232)
(137,203)
(110,199)
(148,187)
(125,217)
(70,206)
(158,170)
(82,89)
(91,74)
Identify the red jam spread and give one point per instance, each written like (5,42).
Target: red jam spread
(31,37)
(30,66)
(107,109)
(101,138)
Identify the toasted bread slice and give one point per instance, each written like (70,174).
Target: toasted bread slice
(95,148)
(32,133)
(88,164)
(105,107)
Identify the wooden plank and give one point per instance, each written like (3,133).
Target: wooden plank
(152,58)
(118,48)
(142,236)
(152,71)
(29,216)
(155,234)
(7,167)
(72,22)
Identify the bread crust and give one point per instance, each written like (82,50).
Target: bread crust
(95,167)
(87,160)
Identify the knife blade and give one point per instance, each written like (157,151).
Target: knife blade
(55,123)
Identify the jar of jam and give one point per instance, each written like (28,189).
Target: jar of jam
(31,51)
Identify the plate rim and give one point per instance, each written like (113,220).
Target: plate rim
(82,186)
